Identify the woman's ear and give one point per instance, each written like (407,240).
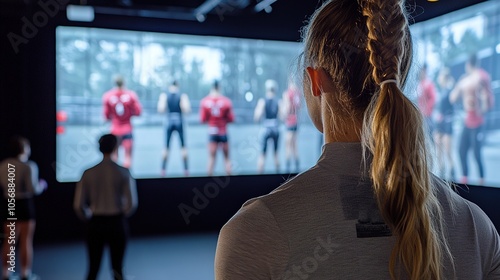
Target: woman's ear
(320,81)
(314,77)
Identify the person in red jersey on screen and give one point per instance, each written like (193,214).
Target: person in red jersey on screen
(120,105)
(291,104)
(19,184)
(426,92)
(474,89)
(217,111)
(370,208)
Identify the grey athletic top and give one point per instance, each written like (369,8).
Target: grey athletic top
(325,224)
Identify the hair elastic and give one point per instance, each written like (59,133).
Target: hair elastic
(389,81)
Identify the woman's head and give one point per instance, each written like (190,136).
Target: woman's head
(336,40)
(352,48)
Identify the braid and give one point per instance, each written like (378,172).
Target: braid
(386,27)
(395,136)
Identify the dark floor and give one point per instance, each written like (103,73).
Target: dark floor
(175,257)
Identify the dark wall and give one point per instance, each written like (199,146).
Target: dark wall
(27,107)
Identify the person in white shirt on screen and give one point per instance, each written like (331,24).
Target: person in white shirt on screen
(370,208)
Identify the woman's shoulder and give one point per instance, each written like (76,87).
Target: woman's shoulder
(271,208)
(459,212)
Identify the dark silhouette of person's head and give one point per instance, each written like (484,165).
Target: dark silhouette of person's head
(472,60)
(108,143)
(216,85)
(175,83)
(119,81)
(472,63)
(17,146)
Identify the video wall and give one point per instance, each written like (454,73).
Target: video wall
(455,82)
(457,86)
(89,59)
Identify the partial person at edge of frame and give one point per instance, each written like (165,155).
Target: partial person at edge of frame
(19,182)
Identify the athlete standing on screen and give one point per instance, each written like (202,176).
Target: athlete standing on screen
(474,88)
(443,134)
(217,111)
(269,108)
(426,93)
(176,105)
(120,105)
(291,107)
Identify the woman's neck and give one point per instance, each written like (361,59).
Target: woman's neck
(347,131)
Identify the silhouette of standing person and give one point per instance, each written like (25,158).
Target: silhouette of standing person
(104,197)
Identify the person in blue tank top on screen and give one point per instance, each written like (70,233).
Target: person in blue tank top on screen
(268,110)
(175,104)
(370,208)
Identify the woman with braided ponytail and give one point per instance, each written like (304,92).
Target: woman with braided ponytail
(370,208)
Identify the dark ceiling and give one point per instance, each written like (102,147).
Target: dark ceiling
(281,9)
(422,9)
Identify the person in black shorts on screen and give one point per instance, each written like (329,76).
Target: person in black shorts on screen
(444,125)
(216,110)
(268,108)
(291,107)
(19,184)
(176,105)
(476,95)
